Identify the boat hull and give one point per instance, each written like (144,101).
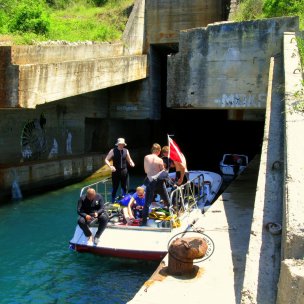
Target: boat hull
(150,242)
(121,253)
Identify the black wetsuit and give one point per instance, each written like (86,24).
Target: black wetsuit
(154,187)
(87,207)
(120,176)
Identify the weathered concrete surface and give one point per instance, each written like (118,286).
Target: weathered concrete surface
(166,18)
(57,53)
(290,287)
(264,252)
(23,138)
(225,65)
(219,278)
(8,79)
(134,34)
(41,83)
(28,82)
(294,146)
(43,175)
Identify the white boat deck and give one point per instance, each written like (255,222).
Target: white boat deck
(123,238)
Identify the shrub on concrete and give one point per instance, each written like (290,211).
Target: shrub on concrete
(249,10)
(30,16)
(277,8)
(3,22)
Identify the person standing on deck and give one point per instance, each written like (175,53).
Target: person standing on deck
(182,174)
(120,157)
(168,162)
(155,182)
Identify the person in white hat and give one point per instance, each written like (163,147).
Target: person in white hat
(120,157)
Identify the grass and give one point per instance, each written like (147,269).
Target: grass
(80,21)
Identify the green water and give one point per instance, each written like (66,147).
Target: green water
(37,265)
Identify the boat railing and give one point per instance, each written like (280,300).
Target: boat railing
(186,197)
(100,186)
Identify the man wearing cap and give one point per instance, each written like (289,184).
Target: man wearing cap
(120,157)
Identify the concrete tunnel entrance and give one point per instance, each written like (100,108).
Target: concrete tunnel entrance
(204,135)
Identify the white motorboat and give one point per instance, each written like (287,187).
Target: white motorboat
(151,242)
(233,164)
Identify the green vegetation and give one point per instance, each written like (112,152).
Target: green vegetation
(30,21)
(258,9)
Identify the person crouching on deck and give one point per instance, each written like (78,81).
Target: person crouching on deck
(91,207)
(135,206)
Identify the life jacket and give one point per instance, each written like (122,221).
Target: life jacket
(125,200)
(120,158)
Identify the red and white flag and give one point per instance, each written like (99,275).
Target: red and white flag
(174,152)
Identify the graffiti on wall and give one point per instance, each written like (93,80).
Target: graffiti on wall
(33,140)
(69,143)
(242,100)
(54,150)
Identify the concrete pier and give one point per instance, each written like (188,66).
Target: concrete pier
(219,279)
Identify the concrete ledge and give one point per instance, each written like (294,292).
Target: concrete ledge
(48,174)
(263,257)
(34,54)
(291,282)
(293,237)
(41,83)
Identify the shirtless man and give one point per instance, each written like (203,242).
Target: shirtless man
(154,166)
(182,174)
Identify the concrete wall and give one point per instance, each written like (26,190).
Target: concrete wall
(225,65)
(33,75)
(290,287)
(134,33)
(263,257)
(25,137)
(46,175)
(41,83)
(166,18)
(8,79)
